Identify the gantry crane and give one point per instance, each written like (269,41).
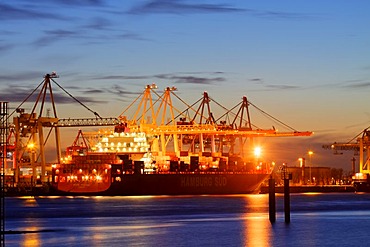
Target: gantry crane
(194,126)
(30,139)
(360,145)
(154,116)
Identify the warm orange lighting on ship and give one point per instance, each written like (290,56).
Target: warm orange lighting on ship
(301,161)
(31,145)
(257,151)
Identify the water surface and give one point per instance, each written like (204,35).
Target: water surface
(338,219)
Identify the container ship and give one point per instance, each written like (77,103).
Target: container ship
(157,150)
(120,164)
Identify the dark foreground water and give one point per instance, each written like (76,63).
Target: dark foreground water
(242,220)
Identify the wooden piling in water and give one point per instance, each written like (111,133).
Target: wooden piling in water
(272,201)
(286,200)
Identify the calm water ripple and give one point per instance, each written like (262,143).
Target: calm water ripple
(238,220)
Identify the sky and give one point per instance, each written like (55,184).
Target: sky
(307,63)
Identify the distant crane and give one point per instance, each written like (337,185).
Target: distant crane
(360,145)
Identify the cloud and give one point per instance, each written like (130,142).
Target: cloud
(85,34)
(24,76)
(62,98)
(64,93)
(93,91)
(121,77)
(282,87)
(13,91)
(131,36)
(121,91)
(84,3)
(267,86)
(52,36)
(279,15)
(256,80)
(358,84)
(7,32)
(27,94)
(22,94)
(5,47)
(179,7)
(9,12)
(183,7)
(190,79)
(99,23)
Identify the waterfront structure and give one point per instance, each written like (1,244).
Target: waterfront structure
(360,145)
(191,152)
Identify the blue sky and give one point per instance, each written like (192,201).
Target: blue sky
(307,63)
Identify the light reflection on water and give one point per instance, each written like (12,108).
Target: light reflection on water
(257,232)
(31,239)
(256,227)
(239,220)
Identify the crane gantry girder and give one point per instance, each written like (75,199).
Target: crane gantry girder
(342,146)
(80,122)
(213,130)
(361,147)
(363,140)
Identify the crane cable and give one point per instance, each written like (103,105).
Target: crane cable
(232,113)
(272,117)
(358,135)
(25,100)
(70,95)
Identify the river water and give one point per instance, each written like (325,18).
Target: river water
(333,219)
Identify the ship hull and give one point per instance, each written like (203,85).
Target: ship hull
(187,184)
(362,183)
(177,184)
(363,186)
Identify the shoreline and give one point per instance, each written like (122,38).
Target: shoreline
(311,189)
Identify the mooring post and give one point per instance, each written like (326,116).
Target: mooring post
(287,199)
(285,176)
(272,201)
